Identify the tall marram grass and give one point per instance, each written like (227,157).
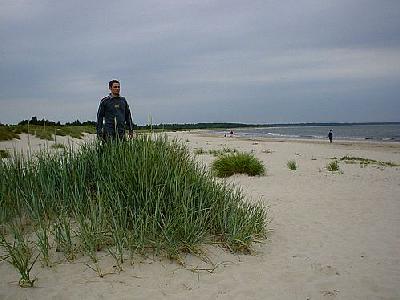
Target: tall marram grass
(143,195)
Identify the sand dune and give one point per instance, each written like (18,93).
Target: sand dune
(333,235)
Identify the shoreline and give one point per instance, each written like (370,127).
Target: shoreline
(303,132)
(342,142)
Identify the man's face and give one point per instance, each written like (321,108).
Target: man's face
(115,88)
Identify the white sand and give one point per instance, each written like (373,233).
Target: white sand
(28,144)
(333,235)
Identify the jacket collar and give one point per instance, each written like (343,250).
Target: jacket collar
(111,96)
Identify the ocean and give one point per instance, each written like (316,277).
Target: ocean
(383,132)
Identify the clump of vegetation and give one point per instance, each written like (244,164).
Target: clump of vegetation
(222,151)
(4,153)
(46,132)
(147,194)
(237,163)
(292,165)
(366,161)
(58,146)
(215,152)
(199,151)
(19,254)
(225,150)
(333,166)
(7,133)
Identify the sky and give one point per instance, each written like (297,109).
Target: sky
(257,62)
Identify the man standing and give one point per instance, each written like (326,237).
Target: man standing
(113,115)
(330,136)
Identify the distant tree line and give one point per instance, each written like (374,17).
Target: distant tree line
(175,126)
(188,126)
(35,121)
(78,123)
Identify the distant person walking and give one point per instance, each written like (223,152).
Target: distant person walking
(330,136)
(113,114)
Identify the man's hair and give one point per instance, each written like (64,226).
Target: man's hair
(110,84)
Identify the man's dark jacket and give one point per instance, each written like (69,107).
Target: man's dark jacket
(116,113)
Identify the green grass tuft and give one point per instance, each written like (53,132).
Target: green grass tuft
(4,154)
(216,153)
(292,165)
(19,254)
(199,151)
(237,163)
(222,151)
(58,146)
(333,166)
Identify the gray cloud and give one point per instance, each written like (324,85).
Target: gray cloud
(199,61)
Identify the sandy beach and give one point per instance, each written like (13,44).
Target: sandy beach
(332,235)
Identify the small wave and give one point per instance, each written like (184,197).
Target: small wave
(282,135)
(312,136)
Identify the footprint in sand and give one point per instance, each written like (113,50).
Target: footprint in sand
(326,285)
(329,293)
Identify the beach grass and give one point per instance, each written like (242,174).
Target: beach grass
(333,166)
(44,132)
(4,153)
(19,254)
(367,161)
(214,152)
(237,163)
(199,151)
(147,194)
(291,164)
(7,133)
(222,151)
(58,146)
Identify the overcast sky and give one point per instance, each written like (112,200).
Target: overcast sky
(202,61)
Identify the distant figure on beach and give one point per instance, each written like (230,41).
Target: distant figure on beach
(330,136)
(115,112)
(231,133)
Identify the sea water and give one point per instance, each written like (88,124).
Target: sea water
(382,132)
